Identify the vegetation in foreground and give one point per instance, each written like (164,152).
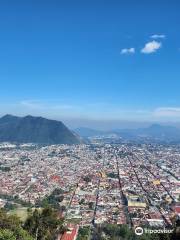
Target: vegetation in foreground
(40,225)
(123,232)
(11,228)
(46,225)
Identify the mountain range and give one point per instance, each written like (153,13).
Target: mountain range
(153,132)
(31,129)
(40,130)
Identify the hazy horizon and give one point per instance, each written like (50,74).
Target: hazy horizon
(102,125)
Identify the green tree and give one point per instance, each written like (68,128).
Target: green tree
(6,234)
(83,233)
(44,225)
(11,228)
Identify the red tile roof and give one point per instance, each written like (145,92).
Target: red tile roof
(71,234)
(177,209)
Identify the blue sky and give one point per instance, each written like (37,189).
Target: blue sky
(91,60)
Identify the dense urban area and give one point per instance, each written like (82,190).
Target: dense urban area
(94,187)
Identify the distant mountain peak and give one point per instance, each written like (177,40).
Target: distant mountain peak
(8,116)
(153,132)
(36,130)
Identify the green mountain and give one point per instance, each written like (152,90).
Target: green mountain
(31,129)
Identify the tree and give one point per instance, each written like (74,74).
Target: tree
(6,235)
(11,228)
(44,225)
(82,201)
(121,232)
(52,200)
(9,206)
(87,179)
(91,204)
(83,233)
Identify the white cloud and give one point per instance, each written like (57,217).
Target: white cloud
(128,51)
(156,36)
(151,47)
(167,112)
(44,104)
(31,104)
